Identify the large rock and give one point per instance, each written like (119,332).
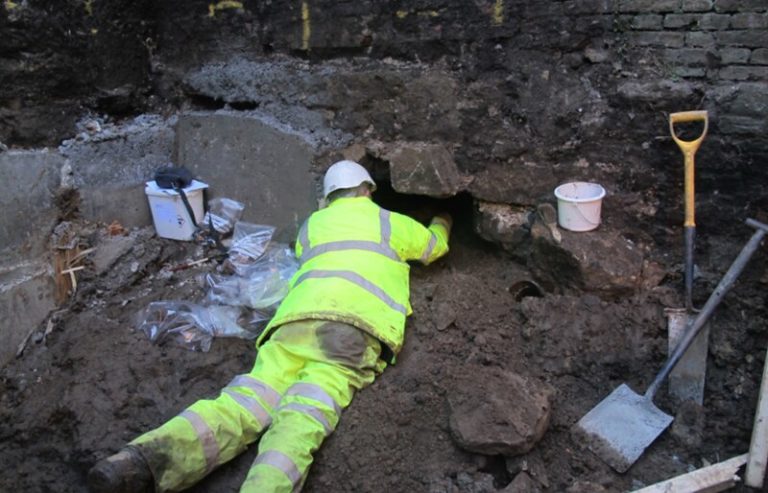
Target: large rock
(254,160)
(601,261)
(506,225)
(420,168)
(508,414)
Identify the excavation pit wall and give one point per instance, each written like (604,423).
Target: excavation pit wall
(522,95)
(99,176)
(274,169)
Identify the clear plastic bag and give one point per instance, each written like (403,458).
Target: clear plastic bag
(183,324)
(237,321)
(223,213)
(261,285)
(269,278)
(249,242)
(194,326)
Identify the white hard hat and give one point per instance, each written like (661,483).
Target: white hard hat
(345,174)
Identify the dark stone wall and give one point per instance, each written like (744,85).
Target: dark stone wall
(525,94)
(59,59)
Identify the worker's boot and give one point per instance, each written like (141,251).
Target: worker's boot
(124,472)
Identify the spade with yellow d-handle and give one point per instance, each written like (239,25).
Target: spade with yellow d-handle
(689,149)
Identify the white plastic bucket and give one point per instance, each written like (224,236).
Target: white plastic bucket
(168,212)
(578,205)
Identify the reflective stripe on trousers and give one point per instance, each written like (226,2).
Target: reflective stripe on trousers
(311,407)
(208,433)
(295,392)
(271,460)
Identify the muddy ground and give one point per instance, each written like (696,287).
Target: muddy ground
(94,382)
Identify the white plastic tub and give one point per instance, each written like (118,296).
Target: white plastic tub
(579,205)
(168,212)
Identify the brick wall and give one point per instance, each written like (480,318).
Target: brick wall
(713,39)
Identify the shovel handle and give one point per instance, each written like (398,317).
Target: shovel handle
(689,149)
(714,299)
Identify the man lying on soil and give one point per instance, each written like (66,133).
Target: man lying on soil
(341,323)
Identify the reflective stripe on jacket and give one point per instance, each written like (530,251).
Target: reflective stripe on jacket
(353,268)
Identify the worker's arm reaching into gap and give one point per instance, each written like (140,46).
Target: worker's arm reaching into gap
(412,241)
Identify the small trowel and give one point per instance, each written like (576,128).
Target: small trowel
(686,382)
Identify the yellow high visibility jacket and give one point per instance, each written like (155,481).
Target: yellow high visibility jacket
(353,268)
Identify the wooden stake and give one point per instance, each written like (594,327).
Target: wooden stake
(710,479)
(758,446)
(65,265)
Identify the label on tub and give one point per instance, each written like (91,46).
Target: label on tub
(167,212)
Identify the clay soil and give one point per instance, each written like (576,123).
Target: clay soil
(95,382)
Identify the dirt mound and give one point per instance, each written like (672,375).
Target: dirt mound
(95,382)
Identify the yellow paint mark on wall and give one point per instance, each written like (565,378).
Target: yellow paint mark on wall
(223,5)
(306,27)
(498,13)
(402,14)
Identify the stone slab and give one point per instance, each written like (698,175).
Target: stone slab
(253,160)
(421,168)
(26,298)
(28,182)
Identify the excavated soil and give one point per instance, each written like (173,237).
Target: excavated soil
(94,381)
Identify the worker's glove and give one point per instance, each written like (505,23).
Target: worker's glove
(444,218)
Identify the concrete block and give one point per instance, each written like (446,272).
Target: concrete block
(657,38)
(677,21)
(751,38)
(647,22)
(737,56)
(421,168)
(656,6)
(700,39)
(690,72)
(254,160)
(110,168)
(744,72)
(741,5)
(687,56)
(749,20)
(714,22)
(759,56)
(26,299)
(698,5)
(28,182)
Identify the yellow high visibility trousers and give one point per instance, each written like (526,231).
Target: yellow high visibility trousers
(304,375)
